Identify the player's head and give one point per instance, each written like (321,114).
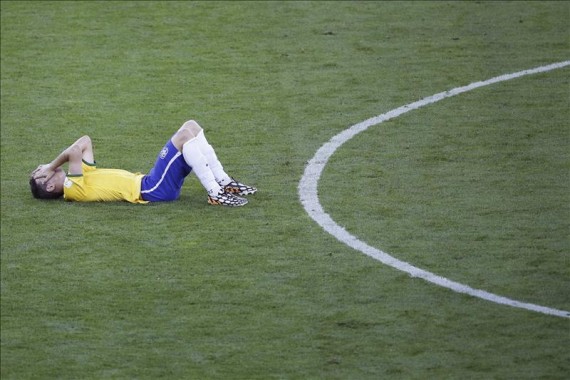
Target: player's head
(50,189)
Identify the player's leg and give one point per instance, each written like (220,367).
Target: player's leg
(187,141)
(229,184)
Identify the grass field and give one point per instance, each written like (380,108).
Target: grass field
(475,188)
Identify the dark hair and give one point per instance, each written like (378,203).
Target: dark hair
(39,191)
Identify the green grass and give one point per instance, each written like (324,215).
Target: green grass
(474,188)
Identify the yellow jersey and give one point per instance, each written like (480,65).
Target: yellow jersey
(98,185)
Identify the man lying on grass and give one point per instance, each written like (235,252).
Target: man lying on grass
(186,151)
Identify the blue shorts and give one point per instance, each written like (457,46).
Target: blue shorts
(165,179)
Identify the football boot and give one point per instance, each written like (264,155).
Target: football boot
(238,188)
(226,199)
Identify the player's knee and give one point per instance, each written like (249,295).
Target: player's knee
(187,131)
(192,126)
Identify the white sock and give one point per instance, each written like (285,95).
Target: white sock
(196,159)
(215,165)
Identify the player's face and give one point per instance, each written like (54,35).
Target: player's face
(55,183)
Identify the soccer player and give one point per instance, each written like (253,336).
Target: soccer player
(186,151)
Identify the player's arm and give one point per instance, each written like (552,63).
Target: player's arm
(82,149)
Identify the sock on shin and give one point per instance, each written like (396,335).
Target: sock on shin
(213,162)
(195,158)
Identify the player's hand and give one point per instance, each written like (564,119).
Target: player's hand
(43,171)
(35,171)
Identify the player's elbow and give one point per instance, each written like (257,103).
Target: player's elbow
(84,143)
(85,139)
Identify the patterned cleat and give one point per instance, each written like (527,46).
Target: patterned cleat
(226,199)
(238,188)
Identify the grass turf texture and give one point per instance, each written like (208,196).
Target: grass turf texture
(474,188)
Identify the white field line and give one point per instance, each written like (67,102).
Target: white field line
(308,194)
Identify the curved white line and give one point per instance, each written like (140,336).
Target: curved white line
(308,194)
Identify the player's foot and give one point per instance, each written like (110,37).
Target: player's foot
(238,188)
(226,199)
